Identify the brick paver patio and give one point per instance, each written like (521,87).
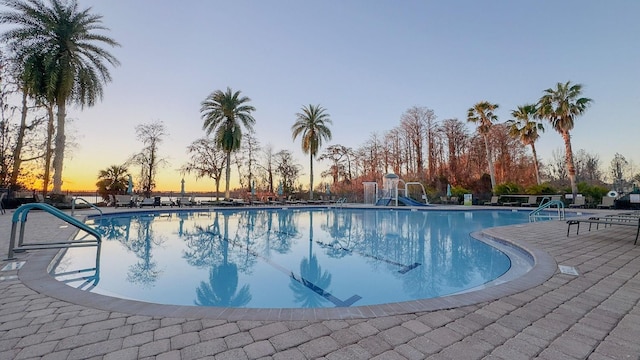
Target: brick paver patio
(594,315)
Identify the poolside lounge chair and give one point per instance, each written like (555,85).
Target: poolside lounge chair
(578,203)
(493,201)
(123,200)
(533,201)
(185,201)
(607,221)
(147,202)
(607,202)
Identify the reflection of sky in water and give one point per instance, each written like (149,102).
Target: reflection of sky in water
(264,258)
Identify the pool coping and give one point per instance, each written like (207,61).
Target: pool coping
(35,275)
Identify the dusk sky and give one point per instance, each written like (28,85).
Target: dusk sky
(366,62)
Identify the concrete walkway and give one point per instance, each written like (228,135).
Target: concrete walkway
(595,315)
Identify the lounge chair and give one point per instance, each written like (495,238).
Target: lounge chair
(185,201)
(123,200)
(147,202)
(607,202)
(493,201)
(533,201)
(454,200)
(607,221)
(578,203)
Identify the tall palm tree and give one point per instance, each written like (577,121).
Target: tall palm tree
(560,106)
(65,40)
(524,126)
(311,124)
(482,115)
(223,113)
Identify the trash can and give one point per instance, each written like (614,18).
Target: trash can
(156,201)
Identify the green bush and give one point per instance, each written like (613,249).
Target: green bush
(508,189)
(542,189)
(592,192)
(459,191)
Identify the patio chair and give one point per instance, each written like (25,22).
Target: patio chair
(578,203)
(607,202)
(493,201)
(607,221)
(533,201)
(147,202)
(123,200)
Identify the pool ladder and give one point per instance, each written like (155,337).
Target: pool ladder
(537,213)
(20,217)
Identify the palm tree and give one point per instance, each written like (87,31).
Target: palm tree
(311,123)
(560,106)
(64,38)
(221,112)
(523,126)
(112,180)
(482,115)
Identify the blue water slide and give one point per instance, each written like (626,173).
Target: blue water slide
(410,202)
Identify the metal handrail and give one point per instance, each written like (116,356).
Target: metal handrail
(2,195)
(547,205)
(73,205)
(20,216)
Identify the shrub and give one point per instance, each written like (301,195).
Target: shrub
(542,189)
(594,192)
(508,188)
(459,191)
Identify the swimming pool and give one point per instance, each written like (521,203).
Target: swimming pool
(290,258)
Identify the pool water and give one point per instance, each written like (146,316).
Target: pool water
(289,258)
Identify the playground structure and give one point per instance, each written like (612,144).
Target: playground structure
(393,194)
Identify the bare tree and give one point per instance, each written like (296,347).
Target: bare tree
(206,160)
(246,159)
(587,167)
(151,135)
(267,166)
(557,169)
(617,170)
(340,157)
(288,170)
(417,123)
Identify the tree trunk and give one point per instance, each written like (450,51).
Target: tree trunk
(571,168)
(490,163)
(227,194)
(535,163)
(311,176)
(17,152)
(48,151)
(58,157)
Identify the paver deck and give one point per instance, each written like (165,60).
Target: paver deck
(595,315)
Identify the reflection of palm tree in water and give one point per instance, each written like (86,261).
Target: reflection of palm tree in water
(222,288)
(223,281)
(312,275)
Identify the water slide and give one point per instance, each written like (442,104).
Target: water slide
(409,201)
(383,202)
